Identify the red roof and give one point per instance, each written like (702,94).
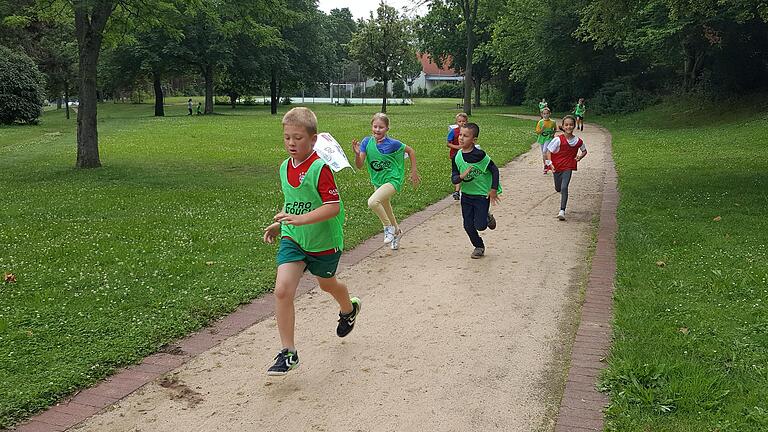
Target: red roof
(431,68)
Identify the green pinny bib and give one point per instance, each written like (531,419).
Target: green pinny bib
(547,133)
(479,180)
(317,237)
(385,168)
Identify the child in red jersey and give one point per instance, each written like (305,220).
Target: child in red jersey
(563,154)
(453,143)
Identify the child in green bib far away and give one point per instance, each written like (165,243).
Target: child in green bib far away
(545,131)
(542,105)
(310,230)
(386,165)
(479,178)
(579,113)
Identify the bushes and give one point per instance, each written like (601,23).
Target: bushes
(21,88)
(619,96)
(448,91)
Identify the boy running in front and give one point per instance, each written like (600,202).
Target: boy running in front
(310,230)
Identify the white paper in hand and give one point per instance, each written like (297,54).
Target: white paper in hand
(331,152)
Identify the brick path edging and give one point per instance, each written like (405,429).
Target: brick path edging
(88,402)
(581,408)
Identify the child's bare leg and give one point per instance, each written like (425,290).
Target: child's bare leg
(288,276)
(339,292)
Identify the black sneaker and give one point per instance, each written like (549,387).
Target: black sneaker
(347,321)
(284,362)
(491,222)
(456,196)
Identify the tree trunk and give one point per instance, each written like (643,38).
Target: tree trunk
(66,98)
(468,84)
(208,75)
(159,99)
(694,60)
(478,82)
(89,28)
(273,93)
(58,103)
(384,97)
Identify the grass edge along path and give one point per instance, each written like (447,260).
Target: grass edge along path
(690,349)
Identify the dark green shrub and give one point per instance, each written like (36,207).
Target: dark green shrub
(398,89)
(448,91)
(619,96)
(22,87)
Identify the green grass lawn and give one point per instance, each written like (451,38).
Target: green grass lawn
(691,326)
(113,263)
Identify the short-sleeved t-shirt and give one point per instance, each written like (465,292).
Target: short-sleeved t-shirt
(386,146)
(326,184)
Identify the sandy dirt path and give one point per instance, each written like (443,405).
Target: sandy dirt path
(443,343)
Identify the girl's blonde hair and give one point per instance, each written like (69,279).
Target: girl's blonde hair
(380,116)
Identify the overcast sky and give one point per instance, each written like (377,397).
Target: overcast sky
(363,8)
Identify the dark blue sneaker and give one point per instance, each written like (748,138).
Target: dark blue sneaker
(284,362)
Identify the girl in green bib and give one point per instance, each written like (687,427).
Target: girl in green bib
(384,158)
(578,112)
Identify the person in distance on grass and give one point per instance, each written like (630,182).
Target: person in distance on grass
(479,179)
(386,167)
(311,236)
(189,106)
(579,113)
(199,108)
(563,155)
(453,144)
(545,131)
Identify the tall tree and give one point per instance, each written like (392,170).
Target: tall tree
(304,53)
(382,46)
(469,12)
(206,45)
(682,32)
(57,57)
(442,33)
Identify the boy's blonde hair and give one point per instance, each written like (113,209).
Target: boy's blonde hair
(301,116)
(380,116)
(461,114)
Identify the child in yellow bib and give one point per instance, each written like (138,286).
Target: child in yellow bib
(384,159)
(311,237)
(545,132)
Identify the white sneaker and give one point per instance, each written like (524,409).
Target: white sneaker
(395,244)
(389,234)
(561,215)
